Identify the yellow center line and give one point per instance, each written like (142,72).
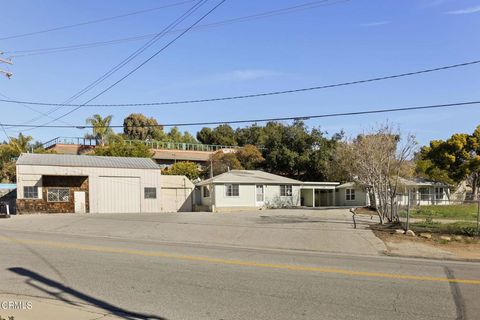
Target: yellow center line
(102,249)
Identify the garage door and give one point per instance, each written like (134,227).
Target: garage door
(118,194)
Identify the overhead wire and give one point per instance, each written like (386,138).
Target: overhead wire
(262,15)
(125,61)
(299,117)
(21,35)
(261,94)
(141,64)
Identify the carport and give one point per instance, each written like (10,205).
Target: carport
(318,194)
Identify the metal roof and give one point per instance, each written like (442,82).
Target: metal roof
(69,160)
(249,177)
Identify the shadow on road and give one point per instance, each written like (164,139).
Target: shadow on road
(33,277)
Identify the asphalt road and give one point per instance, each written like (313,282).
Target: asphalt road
(151,279)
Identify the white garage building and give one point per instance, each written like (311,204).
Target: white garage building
(53,183)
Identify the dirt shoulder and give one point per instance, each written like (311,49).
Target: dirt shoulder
(437,246)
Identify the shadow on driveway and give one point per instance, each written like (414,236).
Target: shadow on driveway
(33,277)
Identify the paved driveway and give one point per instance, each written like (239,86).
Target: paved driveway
(329,230)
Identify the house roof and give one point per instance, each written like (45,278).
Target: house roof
(420,182)
(247,177)
(69,160)
(353,184)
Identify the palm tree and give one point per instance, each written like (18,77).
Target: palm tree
(101,127)
(20,145)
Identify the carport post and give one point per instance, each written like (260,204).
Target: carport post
(313,197)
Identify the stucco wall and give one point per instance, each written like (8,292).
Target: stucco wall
(247,197)
(360,198)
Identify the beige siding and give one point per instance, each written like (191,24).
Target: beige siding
(360,197)
(177,193)
(247,197)
(31,175)
(112,187)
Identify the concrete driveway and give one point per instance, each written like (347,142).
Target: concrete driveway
(328,230)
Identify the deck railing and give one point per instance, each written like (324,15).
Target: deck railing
(151,144)
(71,140)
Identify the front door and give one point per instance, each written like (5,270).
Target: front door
(79,200)
(260,196)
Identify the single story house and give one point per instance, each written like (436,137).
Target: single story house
(423,192)
(62,183)
(351,194)
(253,189)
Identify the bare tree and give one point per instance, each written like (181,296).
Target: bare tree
(377,159)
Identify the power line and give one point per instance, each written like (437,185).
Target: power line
(93,21)
(262,15)
(32,109)
(141,64)
(255,95)
(302,117)
(132,56)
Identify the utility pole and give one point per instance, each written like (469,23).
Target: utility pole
(8,74)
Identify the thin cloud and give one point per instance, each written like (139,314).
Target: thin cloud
(466,10)
(249,74)
(375,24)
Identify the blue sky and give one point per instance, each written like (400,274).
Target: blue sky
(343,41)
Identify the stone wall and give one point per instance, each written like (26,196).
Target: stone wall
(73,183)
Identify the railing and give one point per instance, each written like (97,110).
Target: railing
(184,146)
(71,140)
(151,144)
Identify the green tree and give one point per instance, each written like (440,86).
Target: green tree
(120,148)
(253,135)
(221,135)
(185,168)
(136,126)
(295,151)
(20,145)
(175,135)
(101,127)
(223,162)
(249,157)
(453,160)
(205,136)
(9,152)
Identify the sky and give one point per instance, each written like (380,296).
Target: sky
(333,42)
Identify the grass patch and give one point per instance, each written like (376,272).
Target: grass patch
(463,228)
(455,211)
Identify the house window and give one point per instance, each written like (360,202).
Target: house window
(424,194)
(285,191)
(58,195)
(350,194)
(150,193)
(206,192)
(438,193)
(232,190)
(30,192)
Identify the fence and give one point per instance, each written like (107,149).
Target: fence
(432,212)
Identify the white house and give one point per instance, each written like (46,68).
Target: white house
(241,189)
(253,189)
(351,194)
(423,192)
(61,183)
